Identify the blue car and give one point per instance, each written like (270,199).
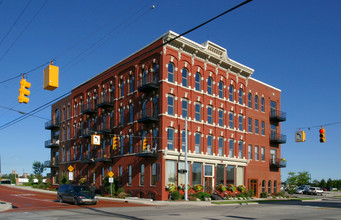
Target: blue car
(76,194)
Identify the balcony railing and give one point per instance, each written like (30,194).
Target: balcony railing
(51,143)
(51,163)
(148,83)
(148,115)
(102,157)
(151,151)
(105,102)
(89,109)
(278,116)
(105,129)
(278,138)
(278,162)
(52,124)
(85,133)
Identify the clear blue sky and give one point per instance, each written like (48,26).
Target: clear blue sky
(292,45)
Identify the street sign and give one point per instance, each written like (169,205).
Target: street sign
(110,174)
(70,168)
(111,180)
(299,136)
(70,175)
(95,139)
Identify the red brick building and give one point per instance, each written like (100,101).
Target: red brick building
(234,134)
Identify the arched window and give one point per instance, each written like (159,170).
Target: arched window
(170,72)
(240,95)
(263,186)
(209,85)
(184,77)
(249,100)
(198,82)
(142,175)
(269,187)
(221,89)
(262,103)
(231,93)
(275,186)
(256,102)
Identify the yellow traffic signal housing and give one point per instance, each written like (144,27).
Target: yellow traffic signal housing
(114,143)
(322,135)
(51,74)
(23,91)
(145,143)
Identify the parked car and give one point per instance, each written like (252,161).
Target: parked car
(76,194)
(315,191)
(300,190)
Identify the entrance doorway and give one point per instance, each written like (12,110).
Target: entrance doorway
(254,187)
(208,184)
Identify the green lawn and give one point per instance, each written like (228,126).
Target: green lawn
(259,201)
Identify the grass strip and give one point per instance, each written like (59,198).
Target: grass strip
(261,201)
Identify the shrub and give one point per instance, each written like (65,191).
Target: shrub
(241,188)
(231,188)
(281,193)
(170,187)
(202,195)
(197,187)
(264,195)
(120,190)
(176,195)
(221,188)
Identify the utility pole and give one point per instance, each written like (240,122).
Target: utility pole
(186,163)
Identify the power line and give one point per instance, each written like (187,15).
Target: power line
(319,126)
(21,33)
(20,112)
(15,22)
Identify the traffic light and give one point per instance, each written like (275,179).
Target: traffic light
(322,135)
(51,73)
(114,143)
(145,143)
(23,91)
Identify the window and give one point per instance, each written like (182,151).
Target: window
(75,153)
(269,187)
(196,173)
(130,173)
(249,124)
(275,186)
(142,175)
(184,108)
(209,144)
(263,186)
(263,128)
(262,104)
(131,146)
(183,140)
(256,153)
(249,100)
(197,111)
(170,108)
(209,85)
(249,151)
(240,153)
(231,121)
(240,96)
(273,155)
(197,143)
(131,113)
(170,171)
(221,89)
(121,145)
(263,153)
(122,87)
(120,173)
(256,102)
(240,123)
(230,175)
(209,114)
(231,93)
(170,72)
(221,146)
(131,84)
(256,126)
(231,148)
(122,116)
(220,174)
(170,139)
(220,117)
(197,82)
(153,175)
(68,132)
(185,77)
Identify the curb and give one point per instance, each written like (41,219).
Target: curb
(4,206)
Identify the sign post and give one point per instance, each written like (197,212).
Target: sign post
(111,180)
(70,168)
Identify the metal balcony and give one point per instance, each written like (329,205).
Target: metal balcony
(89,109)
(147,116)
(105,102)
(151,151)
(276,138)
(50,125)
(148,83)
(51,143)
(278,162)
(85,133)
(104,129)
(51,164)
(101,157)
(277,116)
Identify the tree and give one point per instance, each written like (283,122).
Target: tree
(303,178)
(38,169)
(292,182)
(329,183)
(323,184)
